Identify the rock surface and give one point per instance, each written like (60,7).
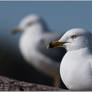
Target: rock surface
(7,84)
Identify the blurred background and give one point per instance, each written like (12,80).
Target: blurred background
(59,15)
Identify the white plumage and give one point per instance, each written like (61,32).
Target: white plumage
(76,65)
(33,42)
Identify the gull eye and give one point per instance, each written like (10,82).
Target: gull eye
(30,23)
(73,36)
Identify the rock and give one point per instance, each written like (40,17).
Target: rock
(7,84)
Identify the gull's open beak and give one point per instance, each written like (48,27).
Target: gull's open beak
(55,44)
(15,31)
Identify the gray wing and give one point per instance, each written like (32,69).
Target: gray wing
(55,54)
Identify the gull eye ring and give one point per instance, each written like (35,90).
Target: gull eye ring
(73,36)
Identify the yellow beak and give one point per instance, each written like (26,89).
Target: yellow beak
(15,31)
(55,44)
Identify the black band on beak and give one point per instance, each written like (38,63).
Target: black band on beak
(51,45)
(15,31)
(56,44)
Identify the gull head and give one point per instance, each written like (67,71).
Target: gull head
(73,39)
(28,22)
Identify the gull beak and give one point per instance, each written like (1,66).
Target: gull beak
(55,44)
(15,31)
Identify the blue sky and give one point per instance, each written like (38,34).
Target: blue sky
(59,15)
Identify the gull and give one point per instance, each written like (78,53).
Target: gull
(33,42)
(76,65)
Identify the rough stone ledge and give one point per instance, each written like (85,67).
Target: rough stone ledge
(7,84)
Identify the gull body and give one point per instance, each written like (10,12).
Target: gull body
(33,42)
(76,65)
(76,70)
(33,56)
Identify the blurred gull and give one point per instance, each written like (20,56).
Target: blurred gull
(76,65)
(33,42)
